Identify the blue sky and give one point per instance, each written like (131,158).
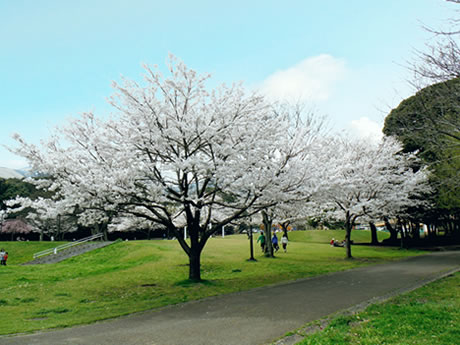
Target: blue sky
(345,59)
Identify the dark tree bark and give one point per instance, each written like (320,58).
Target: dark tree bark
(402,232)
(374,239)
(198,238)
(415,231)
(393,232)
(101,228)
(251,244)
(104,231)
(348,227)
(285,226)
(430,233)
(58,234)
(268,234)
(195,264)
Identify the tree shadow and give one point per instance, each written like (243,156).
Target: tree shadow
(190,283)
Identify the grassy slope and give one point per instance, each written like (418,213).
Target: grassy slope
(427,316)
(19,252)
(138,275)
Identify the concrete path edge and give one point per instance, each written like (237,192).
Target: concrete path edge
(318,325)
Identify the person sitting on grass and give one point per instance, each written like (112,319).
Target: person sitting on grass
(336,243)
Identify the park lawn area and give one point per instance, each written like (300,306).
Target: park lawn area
(427,316)
(128,277)
(20,252)
(323,236)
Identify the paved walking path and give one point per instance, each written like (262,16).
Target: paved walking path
(254,317)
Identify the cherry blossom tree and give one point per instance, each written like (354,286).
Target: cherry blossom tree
(2,218)
(15,226)
(174,153)
(131,223)
(47,216)
(294,203)
(299,152)
(360,180)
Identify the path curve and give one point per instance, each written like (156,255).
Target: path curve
(253,317)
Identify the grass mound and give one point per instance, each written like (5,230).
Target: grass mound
(127,277)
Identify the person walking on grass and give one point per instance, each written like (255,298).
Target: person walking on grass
(5,257)
(284,242)
(261,239)
(276,247)
(2,257)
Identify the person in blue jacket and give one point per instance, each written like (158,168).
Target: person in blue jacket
(275,242)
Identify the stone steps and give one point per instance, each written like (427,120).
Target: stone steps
(68,253)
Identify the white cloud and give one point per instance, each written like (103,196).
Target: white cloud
(355,99)
(312,79)
(368,129)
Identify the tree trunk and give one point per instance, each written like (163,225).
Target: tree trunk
(198,238)
(104,231)
(456,228)
(430,234)
(416,231)
(348,242)
(268,234)
(348,227)
(401,232)
(194,265)
(193,246)
(285,226)
(374,239)
(100,228)
(251,244)
(393,232)
(450,227)
(58,227)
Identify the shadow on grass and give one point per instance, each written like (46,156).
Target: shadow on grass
(190,283)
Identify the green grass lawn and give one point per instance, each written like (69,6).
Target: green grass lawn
(19,252)
(127,277)
(427,316)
